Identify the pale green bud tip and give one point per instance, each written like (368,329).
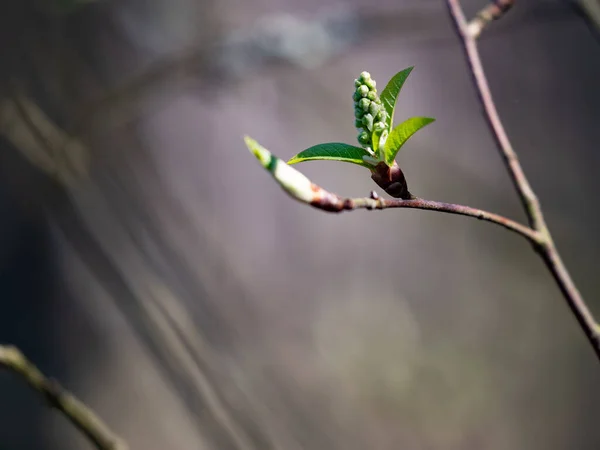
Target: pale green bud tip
(363,90)
(364,103)
(367,121)
(373,108)
(292,181)
(364,138)
(261,153)
(364,76)
(378,127)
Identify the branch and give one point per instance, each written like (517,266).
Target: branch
(302,189)
(546,247)
(78,413)
(491,12)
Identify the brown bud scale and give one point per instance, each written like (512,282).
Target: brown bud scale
(391,180)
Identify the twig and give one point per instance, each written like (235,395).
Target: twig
(491,12)
(78,413)
(302,189)
(546,247)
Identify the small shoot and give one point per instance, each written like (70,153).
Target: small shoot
(379,141)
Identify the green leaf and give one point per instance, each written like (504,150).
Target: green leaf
(390,94)
(333,151)
(401,134)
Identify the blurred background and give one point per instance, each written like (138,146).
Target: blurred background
(152,266)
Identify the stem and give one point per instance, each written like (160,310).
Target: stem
(332,203)
(546,247)
(302,189)
(78,413)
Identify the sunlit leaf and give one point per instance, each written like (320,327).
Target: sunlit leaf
(390,94)
(401,134)
(333,151)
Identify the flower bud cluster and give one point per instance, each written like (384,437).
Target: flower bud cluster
(370,115)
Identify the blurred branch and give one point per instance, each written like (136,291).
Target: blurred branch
(74,410)
(491,12)
(545,246)
(42,142)
(592,9)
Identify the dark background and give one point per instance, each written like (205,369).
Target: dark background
(151,265)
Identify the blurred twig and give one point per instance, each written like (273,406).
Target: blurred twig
(74,410)
(545,246)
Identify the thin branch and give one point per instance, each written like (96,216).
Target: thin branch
(546,248)
(78,413)
(488,14)
(302,189)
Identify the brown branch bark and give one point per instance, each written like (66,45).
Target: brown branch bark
(545,247)
(74,410)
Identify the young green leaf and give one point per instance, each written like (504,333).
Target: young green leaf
(333,151)
(401,134)
(390,94)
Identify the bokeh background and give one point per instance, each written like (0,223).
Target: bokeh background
(152,266)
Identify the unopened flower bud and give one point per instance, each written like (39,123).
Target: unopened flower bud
(364,104)
(363,90)
(370,84)
(378,127)
(367,121)
(364,138)
(373,109)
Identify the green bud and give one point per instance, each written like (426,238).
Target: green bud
(372,95)
(381,115)
(364,138)
(364,76)
(373,109)
(378,127)
(364,103)
(370,83)
(367,121)
(358,112)
(358,123)
(356,96)
(362,90)
(357,82)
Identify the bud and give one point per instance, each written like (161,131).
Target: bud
(367,109)
(373,108)
(364,138)
(367,121)
(378,127)
(363,90)
(370,84)
(391,180)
